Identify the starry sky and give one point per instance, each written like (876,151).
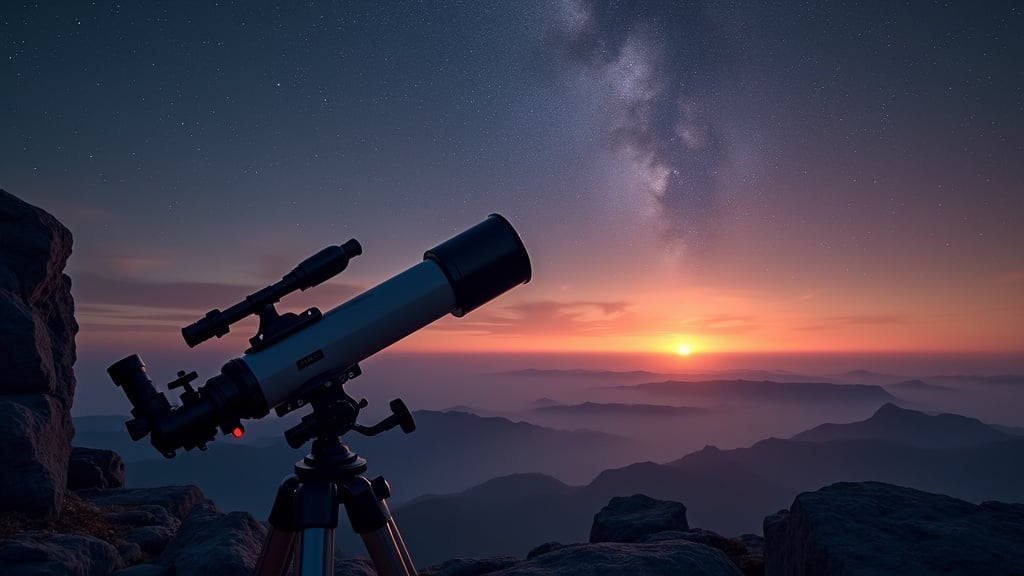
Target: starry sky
(797,176)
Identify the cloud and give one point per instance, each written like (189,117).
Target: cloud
(833,322)
(660,62)
(117,304)
(548,317)
(720,324)
(91,289)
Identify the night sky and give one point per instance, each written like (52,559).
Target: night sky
(801,177)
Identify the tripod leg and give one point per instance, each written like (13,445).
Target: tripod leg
(316,515)
(371,519)
(277,547)
(399,541)
(314,555)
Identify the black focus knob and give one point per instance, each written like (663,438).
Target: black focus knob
(401,412)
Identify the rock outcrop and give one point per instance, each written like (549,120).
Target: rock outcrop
(93,468)
(876,528)
(40,553)
(470,566)
(212,542)
(631,519)
(37,337)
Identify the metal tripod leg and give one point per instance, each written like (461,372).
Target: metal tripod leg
(316,516)
(303,521)
(277,547)
(399,542)
(371,519)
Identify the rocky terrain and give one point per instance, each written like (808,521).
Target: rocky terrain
(66,510)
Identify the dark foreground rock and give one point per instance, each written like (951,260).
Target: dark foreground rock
(353,567)
(875,528)
(176,500)
(37,352)
(36,553)
(94,468)
(470,566)
(633,518)
(613,559)
(211,542)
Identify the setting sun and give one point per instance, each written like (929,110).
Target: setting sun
(683,350)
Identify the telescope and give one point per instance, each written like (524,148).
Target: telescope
(293,358)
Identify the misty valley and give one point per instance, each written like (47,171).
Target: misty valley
(528,455)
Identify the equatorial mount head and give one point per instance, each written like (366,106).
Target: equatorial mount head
(335,413)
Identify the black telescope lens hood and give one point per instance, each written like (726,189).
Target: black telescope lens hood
(482,262)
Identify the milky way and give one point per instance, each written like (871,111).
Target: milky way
(660,63)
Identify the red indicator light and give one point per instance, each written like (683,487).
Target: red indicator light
(237,432)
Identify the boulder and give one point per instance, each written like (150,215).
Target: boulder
(731,546)
(875,528)
(152,528)
(35,553)
(750,564)
(614,559)
(631,519)
(37,337)
(146,570)
(470,566)
(211,542)
(145,515)
(543,549)
(754,543)
(93,468)
(151,540)
(176,500)
(353,567)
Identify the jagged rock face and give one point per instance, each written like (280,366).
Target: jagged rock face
(876,528)
(95,468)
(37,355)
(633,518)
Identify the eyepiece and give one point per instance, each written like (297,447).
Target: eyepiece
(482,262)
(148,405)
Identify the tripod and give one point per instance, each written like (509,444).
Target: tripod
(305,511)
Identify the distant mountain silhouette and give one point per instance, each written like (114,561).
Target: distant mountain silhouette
(577,373)
(728,491)
(899,425)
(917,386)
(1011,430)
(619,410)
(642,375)
(1005,380)
(865,377)
(449,451)
(768,390)
(992,471)
(511,515)
(545,401)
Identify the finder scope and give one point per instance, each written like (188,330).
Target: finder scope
(294,355)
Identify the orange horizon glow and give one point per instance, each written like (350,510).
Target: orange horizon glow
(705,321)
